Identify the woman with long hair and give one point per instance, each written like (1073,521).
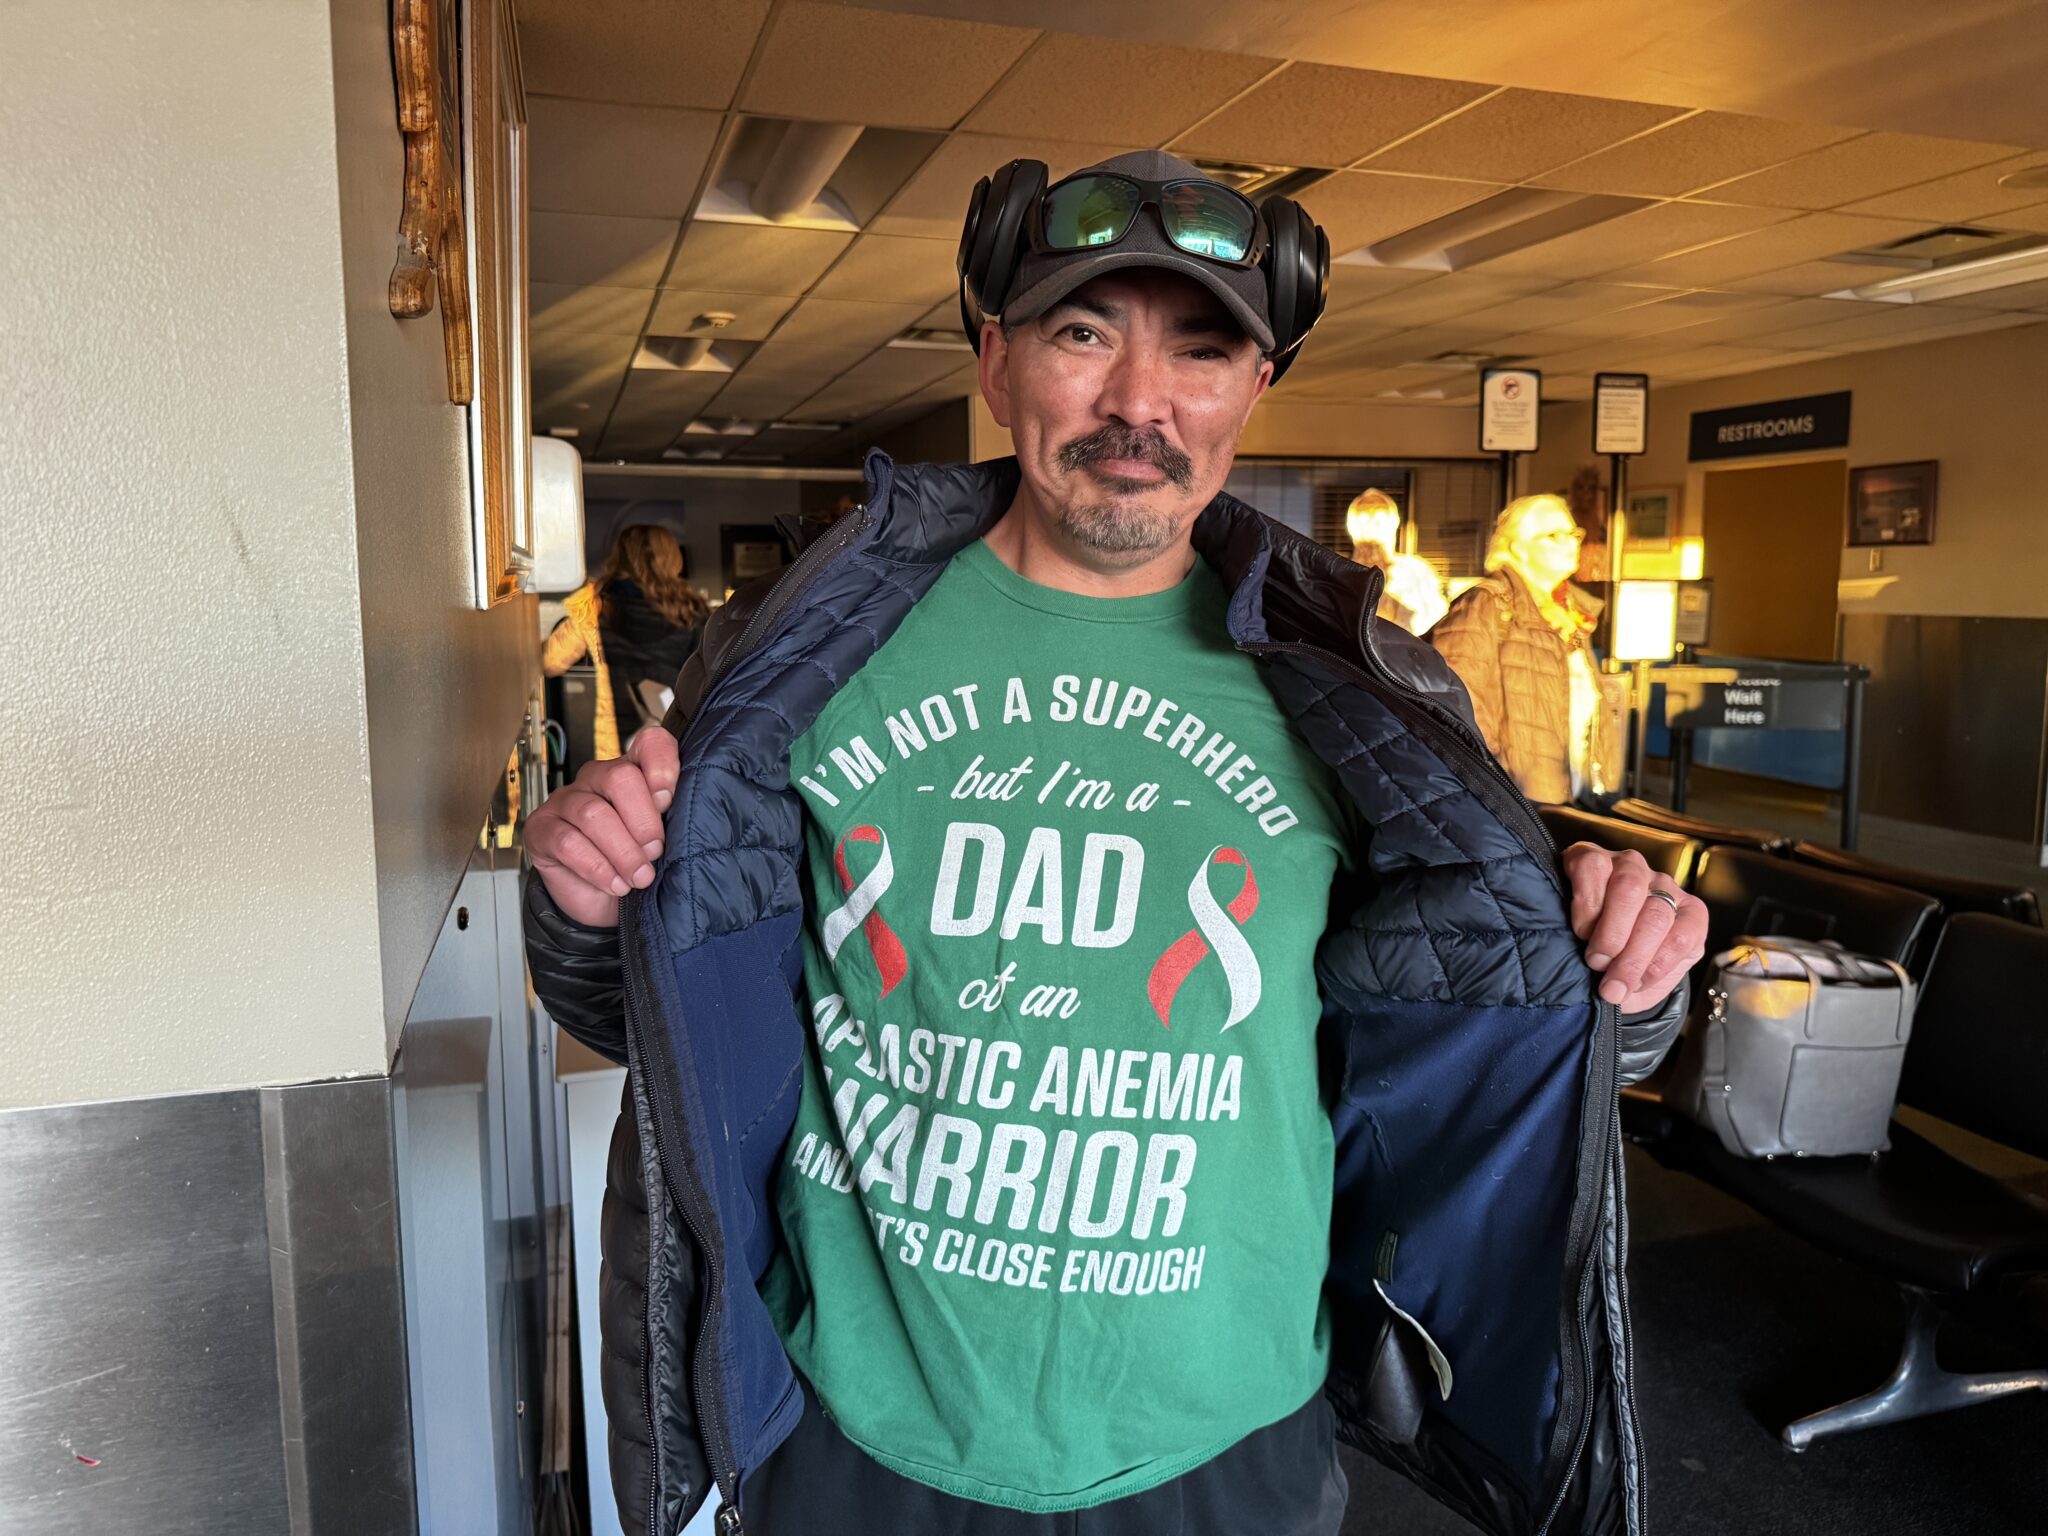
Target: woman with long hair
(637,619)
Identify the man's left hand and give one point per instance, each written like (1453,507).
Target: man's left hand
(1638,926)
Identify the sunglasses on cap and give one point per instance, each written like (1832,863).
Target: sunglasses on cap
(1098,208)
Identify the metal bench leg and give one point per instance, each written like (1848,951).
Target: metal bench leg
(1918,1385)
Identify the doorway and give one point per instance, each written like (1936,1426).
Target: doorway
(1774,549)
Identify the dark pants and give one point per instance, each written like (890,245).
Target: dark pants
(1282,1480)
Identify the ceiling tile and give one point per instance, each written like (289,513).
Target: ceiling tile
(2033,219)
(1859,169)
(574,397)
(1551,307)
(892,269)
(754,314)
(902,370)
(602,311)
(1813,237)
(1320,114)
(1881,324)
(1761,323)
(1450,298)
(669,391)
(754,258)
(1966,196)
(1644,235)
(1692,153)
(1100,88)
(763,400)
(557,352)
(942,316)
(600,157)
(1357,208)
(1512,136)
(1675,313)
(788,360)
(649,51)
(1809,279)
(1352,285)
(584,249)
(845,323)
(849,65)
(933,203)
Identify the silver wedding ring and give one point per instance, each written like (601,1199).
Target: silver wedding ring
(1667,898)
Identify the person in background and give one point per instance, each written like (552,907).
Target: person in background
(637,620)
(1520,641)
(1412,596)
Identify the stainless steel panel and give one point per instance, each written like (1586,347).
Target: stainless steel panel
(331,1188)
(138,1383)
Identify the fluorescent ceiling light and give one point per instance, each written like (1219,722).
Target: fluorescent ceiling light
(729,428)
(806,426)
(1508,221)
(1979,275)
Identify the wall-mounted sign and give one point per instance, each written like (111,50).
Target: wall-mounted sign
(1776,426)
(1759,697)
(1509,399)
(1621,412)
(1695,613)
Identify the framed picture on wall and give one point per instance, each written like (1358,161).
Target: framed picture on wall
(1652,517)
(1892,503)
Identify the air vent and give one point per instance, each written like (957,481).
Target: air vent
(730,427)
(2027,179)
(685,354)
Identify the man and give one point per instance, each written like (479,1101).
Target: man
(1083,1008)
(1521,642)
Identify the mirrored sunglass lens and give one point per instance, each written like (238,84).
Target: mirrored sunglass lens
(1206,221)
(1096,210)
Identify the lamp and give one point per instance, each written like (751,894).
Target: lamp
(1645,620)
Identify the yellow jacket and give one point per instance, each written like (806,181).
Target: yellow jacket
(568,643)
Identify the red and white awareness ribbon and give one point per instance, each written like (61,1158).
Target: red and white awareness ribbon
(1216,929)
(859,910)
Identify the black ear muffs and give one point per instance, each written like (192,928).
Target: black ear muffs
(993,241)
(1297,270)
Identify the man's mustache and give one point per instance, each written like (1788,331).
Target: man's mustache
(1120,442)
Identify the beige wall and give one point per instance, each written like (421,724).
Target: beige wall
(210,431)
(1975,403)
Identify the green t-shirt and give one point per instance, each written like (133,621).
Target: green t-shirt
(1057,1202)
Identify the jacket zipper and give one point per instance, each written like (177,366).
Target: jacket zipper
(717,1441)
(1628,1327)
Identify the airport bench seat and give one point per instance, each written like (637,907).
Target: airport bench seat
(1951,1237)
(1648,813)
(1956,893)
(1666,852)
(1916,1214)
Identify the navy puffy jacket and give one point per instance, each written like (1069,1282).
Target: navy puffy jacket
(1470,1070)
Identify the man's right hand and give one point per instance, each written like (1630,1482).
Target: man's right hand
(597,839)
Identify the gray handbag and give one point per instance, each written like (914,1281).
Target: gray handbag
(1800,1052)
